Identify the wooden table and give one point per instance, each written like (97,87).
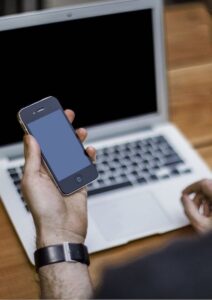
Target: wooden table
(190,85)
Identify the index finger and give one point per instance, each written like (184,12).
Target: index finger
(70,115)
(196,187)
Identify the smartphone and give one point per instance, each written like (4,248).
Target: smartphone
(63,154)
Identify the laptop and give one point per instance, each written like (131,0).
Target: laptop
(106,61)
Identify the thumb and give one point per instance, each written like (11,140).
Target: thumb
(192,212)
(32,155)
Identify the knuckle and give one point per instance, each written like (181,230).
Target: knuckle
(201,228)
(205,182)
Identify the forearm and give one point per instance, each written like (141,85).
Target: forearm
(65,281)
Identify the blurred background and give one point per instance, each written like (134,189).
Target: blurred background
(14,6)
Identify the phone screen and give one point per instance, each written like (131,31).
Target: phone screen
(59,145)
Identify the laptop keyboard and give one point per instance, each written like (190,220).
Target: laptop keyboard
(16,175)
(135,163)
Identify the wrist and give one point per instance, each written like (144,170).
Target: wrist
(47,238)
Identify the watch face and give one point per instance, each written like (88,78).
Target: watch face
(59,253)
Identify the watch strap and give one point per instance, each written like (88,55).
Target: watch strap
(66,252)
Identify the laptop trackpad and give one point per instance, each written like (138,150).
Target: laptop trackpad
(127,216)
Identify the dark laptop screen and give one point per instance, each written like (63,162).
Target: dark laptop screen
(101,67)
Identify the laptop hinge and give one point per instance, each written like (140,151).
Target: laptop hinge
(121,134)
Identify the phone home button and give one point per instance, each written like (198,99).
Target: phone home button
(78,178)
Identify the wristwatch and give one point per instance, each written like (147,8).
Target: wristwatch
(66,252)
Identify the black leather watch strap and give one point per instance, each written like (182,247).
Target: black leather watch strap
(59,253)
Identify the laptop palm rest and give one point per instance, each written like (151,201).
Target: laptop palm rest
(128,215)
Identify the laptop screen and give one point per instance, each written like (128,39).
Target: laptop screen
(101,67)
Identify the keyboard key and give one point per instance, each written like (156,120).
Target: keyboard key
(14,176)
(186,171)
(100,181)
(12,171)
(123,176)
(153,178)
(145,170)
(173,160)
(124,167)
(116,160)
(175,172)
(165,176)
(17,180)
(160,139)
(101,172)
(141,180)
(109,188)
(112,179)
(27,208)
(18,185)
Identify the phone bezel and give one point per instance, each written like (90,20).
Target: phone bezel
(41,109)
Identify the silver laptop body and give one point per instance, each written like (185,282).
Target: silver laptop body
(143,160)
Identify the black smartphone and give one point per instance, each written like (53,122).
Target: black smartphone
(62,152)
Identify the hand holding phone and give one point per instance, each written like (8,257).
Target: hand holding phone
(62,152)
(57,217)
